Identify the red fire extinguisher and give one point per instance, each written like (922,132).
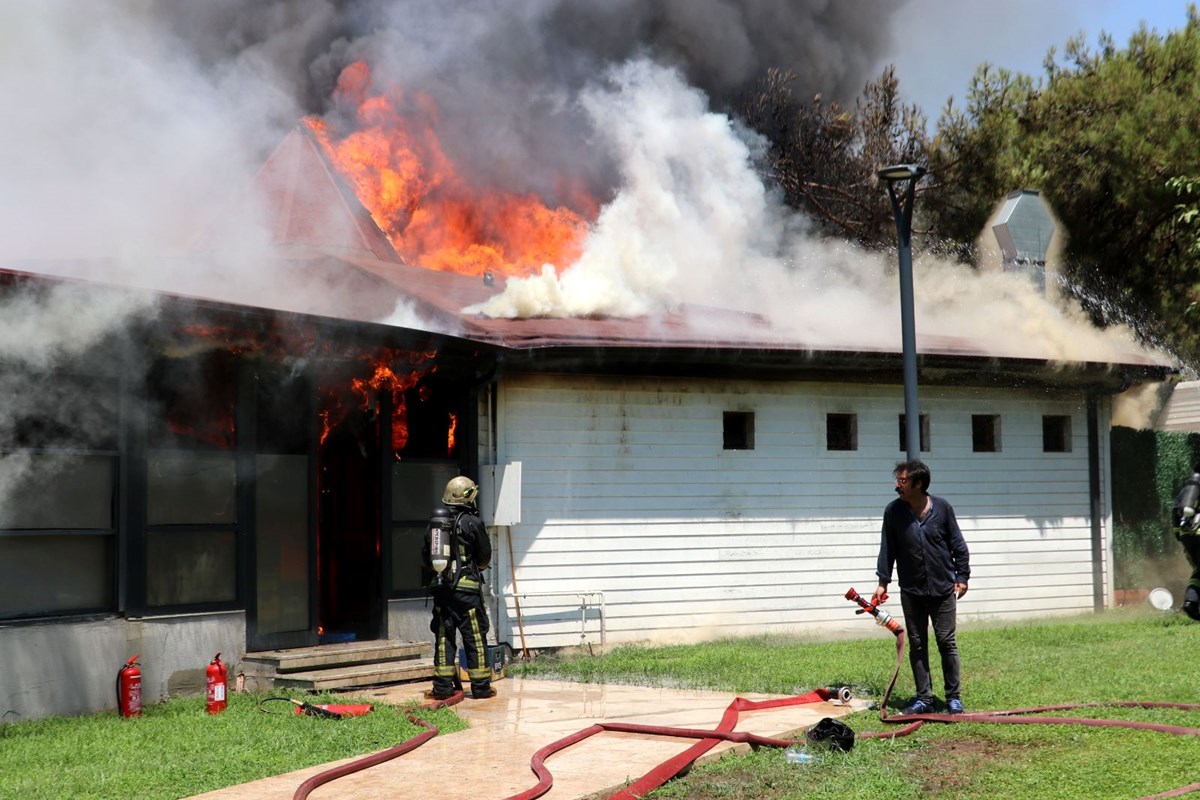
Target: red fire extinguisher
(218,686)
(129,689)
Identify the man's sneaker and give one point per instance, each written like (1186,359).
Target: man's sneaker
(917,706)
(955,706)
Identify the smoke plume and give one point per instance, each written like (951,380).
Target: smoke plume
(131,118)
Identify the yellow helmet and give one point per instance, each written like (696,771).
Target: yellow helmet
(460,491)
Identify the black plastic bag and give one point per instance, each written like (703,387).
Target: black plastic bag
(830,733)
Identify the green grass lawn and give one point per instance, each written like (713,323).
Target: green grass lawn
(1138,655)
(176,750)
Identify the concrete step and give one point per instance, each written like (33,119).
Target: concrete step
(336,678)
(329,656)
(329,667)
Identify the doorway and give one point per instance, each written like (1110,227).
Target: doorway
(349,560)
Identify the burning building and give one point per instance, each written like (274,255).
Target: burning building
(680,430)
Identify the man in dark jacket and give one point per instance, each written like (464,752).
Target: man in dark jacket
(922,539)
(457,590)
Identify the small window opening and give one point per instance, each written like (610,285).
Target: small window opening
(738,430)
(1056,434)
(841,432)
(923,424)
(985,433)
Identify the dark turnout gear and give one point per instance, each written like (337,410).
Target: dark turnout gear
(1185,518)
(457,591)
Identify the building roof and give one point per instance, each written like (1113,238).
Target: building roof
(326,256)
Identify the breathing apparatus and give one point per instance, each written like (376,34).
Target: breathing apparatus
(441,543)
(1186,513)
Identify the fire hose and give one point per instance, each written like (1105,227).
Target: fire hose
(1015,716)
(724,732)
(430,732)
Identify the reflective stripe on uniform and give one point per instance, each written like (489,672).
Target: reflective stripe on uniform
(481,670)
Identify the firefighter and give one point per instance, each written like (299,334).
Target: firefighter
(1185,519)
(456,585)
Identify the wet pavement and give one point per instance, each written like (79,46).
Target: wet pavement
(491,760)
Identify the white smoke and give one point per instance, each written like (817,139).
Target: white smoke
(693,223)
(688,206)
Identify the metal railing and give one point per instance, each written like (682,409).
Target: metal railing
(586,600)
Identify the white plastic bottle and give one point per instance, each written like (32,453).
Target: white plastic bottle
(796,755)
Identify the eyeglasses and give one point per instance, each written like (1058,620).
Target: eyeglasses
(902,480)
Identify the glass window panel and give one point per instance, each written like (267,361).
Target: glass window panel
(190,488)
(186,568)
(56,491)
(55,574)
(407,542)
(281,554)
(192,400)
(59,410)
(285,420)
(417,488)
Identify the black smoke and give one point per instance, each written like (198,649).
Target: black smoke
(505,75)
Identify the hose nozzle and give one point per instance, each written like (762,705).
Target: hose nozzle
(881,617)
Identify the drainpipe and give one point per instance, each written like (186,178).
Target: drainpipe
(1097,506)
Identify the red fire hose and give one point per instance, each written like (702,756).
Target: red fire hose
(1014,716)
(707,739)
(431,731)
(673,766)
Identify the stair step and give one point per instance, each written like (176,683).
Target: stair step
(331,656)
(357,676)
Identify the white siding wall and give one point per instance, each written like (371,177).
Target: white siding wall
(1182,410)
(628,492)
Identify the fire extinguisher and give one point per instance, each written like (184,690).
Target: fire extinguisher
(129,689)
(217,680)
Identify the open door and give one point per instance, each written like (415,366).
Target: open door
(349,563)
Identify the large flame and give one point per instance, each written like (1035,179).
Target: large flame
(432,215)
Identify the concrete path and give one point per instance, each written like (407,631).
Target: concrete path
(491,760)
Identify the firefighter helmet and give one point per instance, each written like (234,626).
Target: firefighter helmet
(460,491)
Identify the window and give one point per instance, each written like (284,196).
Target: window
(985,433)
(841,432)
(738,431)
(416,489)
(58,464)
(923,424)
(1056,434)
(57,549)
(191,482)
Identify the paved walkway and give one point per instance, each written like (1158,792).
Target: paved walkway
(492,758)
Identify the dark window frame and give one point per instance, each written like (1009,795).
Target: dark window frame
(985,433)
(923,433)
(841,432)
(737,430)
(42,435)
(1056,433)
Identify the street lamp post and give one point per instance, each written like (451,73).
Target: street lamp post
(902,206)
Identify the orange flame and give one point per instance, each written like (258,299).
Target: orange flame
(450,435)
(385,379)
(432,215)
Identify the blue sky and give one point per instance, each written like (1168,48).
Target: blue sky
(939,43)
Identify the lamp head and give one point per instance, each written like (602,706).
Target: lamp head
(900,172)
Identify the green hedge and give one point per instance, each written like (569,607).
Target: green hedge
(1148,469)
